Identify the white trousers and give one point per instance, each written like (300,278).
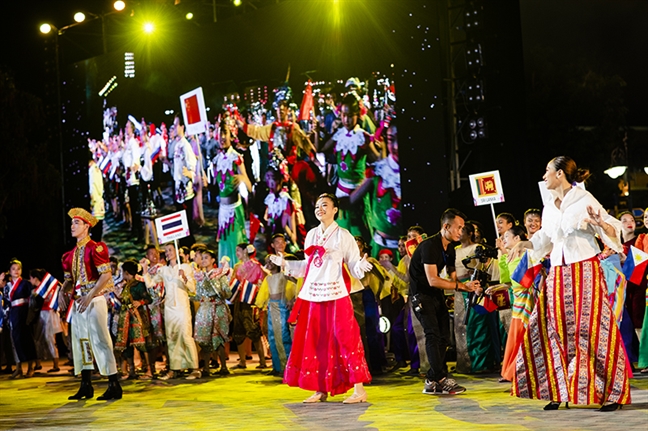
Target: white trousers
(91,338)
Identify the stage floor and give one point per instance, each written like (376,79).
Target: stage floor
(250,400)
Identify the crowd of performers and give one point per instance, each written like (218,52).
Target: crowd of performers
(313,300)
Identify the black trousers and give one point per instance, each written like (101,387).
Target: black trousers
(97,231)
(136,210)
(435,320)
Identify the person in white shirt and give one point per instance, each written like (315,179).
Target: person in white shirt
(131,161)
(184,172)
(97,203)
(327,353)
(178,282)
(572,350)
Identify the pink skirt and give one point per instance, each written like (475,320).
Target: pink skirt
(327,353)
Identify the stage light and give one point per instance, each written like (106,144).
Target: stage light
(237,2)
(189,15)
(119,5)
(646,170)
(615,171)
(45,28)
(480,122)
(473,135)
(79,17)
(148,27)
(472,124)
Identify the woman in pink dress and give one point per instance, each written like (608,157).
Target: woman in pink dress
(327,354)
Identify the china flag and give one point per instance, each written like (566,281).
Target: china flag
(193,110)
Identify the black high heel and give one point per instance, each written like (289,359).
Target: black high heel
(611,407)
(552,406)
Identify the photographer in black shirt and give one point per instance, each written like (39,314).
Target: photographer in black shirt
(428,301)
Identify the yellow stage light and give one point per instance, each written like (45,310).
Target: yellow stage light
(119,5)
(237,2)
(148,27)
(45,28)
(189,15)
(79,17)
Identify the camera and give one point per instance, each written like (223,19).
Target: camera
(416,302)
(482,253)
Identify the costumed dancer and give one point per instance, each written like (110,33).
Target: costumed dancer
(353,147)
(277,293)
(477,335)
(230,173)
(642,244)
(281,210)
(513,245)
(572,350)
(134,327)
(156,308)
(284,134)
(19,291)
(248,275)
(87,274)
(384,181)
(178,282)
(327,354)
(213,316)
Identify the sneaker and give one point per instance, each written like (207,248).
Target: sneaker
(446,387)
(450,387)
(432,388)
(195,374)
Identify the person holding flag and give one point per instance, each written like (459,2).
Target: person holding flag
(19,291)
(572,350)
(49,323)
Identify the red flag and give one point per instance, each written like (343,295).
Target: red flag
(307,103)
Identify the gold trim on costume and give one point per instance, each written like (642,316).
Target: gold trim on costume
(86,351)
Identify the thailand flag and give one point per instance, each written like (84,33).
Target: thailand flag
(172,224)
(235,285)
(249,292)
(47,285)
(527,272)
(54,301)
(105,165)
(635,265)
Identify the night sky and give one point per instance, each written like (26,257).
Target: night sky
(612,33)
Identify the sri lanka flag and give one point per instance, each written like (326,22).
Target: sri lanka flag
(635,265)
(527,271)
(47,285)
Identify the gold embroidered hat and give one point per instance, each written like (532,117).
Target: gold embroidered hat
(84,215)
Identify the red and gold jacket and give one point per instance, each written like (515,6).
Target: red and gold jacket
(85,263)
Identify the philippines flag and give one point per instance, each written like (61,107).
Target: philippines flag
(527,272)
(635,265)
(172,224)
(484,305)
(47,285)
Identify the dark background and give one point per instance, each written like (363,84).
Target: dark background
(561,77)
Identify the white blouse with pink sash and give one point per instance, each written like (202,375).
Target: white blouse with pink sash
(322,270)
